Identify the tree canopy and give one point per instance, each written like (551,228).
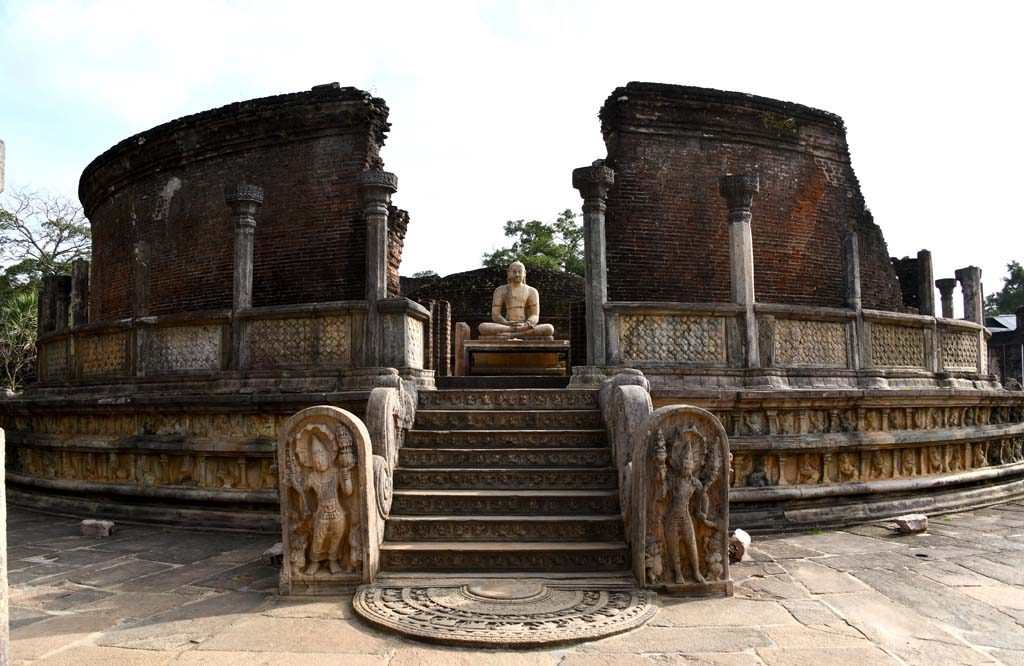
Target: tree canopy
(1011,296)
(40,235)
(537,244)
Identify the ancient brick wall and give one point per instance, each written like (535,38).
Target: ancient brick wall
(470,295)
(165,189)
(667,232)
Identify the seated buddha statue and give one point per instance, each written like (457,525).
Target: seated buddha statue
(521,306)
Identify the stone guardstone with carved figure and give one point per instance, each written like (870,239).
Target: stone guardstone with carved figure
(329,517)
(681,496)
(503,613)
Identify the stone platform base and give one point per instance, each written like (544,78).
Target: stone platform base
(515,357)
(505,613)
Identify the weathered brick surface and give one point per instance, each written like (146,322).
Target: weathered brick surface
(667,232)
(165,187)
(470,295)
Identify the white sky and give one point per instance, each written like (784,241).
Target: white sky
(494,103)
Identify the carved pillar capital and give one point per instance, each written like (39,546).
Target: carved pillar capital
(375,189)
(738,191)
(244,200)
(946,287)
(593,183)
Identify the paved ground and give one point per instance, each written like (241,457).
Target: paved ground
(861,596)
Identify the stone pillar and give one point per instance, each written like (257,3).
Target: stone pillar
(925,284)
(739,191)
(946,287)
(593,183)
(970,285)
(244,201)
(851,271)
(375,190)
(47,309)
(62,303)
(79,292)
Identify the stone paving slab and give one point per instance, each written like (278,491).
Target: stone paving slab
(860,596)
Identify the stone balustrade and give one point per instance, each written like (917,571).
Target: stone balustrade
(798,345)
(318,337)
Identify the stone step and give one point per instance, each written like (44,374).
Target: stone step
(535,556)
(463,457)
(505,502)
(522,439)
(538,478)
(427,419)
(503,382)
(508,399)
(504,528)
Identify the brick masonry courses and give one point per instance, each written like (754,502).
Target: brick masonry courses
(667,237)
(164,189)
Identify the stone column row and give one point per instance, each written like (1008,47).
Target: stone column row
(972,290)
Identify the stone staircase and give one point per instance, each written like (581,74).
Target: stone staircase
(505,480)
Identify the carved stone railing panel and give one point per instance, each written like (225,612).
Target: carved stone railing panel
(103,354)
(335,342)
(183,348)
(959,350)
(810,344)
(414,341)
(55,360)
(329,518)
(897,347)
(681,503)
(672,339)
(277,342)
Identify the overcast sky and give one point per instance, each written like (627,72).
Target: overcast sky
(494,103)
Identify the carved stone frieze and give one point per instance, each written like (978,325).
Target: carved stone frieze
(897,346)
(335,342)
(508,399)
(810,344)
(681,497)
(672,339)
(505,458)
(509,419)
(329,515)
(959,351)
(763,469)
(105,354)
(510,530)
(55,359)
(300,341)
(182,348)
(519,478)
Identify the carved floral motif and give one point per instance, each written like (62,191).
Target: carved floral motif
(897,346)
(820,344)
(672,339)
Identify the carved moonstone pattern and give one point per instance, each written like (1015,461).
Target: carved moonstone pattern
(103,354)
(897,347)
(959,350)
(680,502)
(672,339)
(517,614)
(183,348)
(810,344)
(329,521)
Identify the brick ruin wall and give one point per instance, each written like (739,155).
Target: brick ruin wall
(163,240)
(470,295)
(667,230)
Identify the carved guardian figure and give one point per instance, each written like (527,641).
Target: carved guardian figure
(680,487)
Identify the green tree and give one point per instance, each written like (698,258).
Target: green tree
(1011,296)
(557,246)
(40,235)
(18,312)
(425,274)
